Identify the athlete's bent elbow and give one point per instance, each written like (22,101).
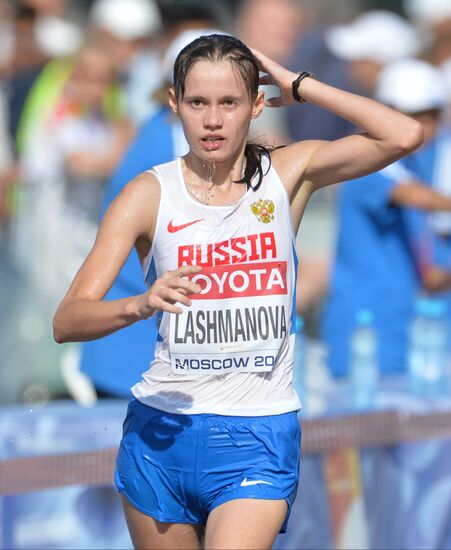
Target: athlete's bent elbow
(412,137)
(58,332)
(58,336)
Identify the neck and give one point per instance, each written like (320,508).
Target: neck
(217,173)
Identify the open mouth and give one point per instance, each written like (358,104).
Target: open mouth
(212,142)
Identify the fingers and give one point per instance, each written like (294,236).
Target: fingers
(184,270)
(266,64)
(173,296)
(275,102)
(165,299)
(278,75)
(160,304)
(266,80)
(261,57)
(174,287)
(184,285)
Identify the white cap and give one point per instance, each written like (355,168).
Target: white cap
(57,37)
(379,35)
(126,19)
(446,72)
(411,86)
(428,11)
(177,45)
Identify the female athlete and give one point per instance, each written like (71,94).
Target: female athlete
(211,438)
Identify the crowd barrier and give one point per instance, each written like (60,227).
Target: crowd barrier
(57,469)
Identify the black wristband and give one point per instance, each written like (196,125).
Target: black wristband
(295,85)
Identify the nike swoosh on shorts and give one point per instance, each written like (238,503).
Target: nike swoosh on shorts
(247,483)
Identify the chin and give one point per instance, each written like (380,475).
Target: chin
(220,155)
(208,156)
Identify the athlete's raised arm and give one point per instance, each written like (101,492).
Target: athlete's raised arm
(130,221)
(388,134)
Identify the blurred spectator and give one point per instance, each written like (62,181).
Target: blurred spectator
(57,36)
(40,32)
(195,14)
(6,158)
(26,54)
(386,254)
(446,71)
(129,29)
(115,363)
(433,17)
(7,39)
(47,7)
(368,43)
(25,63)
(6,149)
(273,27)
(348,56)
(72,137)
(432,164)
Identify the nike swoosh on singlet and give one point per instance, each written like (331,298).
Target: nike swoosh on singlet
(246,482)
(174,228)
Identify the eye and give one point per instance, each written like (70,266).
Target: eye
(229,102)
(196,102)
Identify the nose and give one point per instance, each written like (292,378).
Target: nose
(213,117)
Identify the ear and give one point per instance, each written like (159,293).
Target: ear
(259,103)
(173,101)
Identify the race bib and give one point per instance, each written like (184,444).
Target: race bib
(237,323)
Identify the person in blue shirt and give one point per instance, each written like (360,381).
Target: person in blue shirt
(432,164)
(386,254)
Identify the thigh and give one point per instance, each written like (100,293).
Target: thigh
(245,523)
(148,533)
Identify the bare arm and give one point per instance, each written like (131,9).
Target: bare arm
(388,134)
(130,220)
(414,194)
(418,195)
(436,279)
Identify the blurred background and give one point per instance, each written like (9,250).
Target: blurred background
(83,110)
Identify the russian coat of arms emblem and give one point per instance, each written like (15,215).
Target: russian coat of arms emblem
(264,210)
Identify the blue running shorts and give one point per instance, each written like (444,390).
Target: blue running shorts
(177,468)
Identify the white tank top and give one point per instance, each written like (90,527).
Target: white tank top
(231,352)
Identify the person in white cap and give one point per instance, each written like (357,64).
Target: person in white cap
(433,20)
(418,88)
(432,162)
(212,439)
(386,252)
(372,40)
(126,25)
(128,29)
(349,56)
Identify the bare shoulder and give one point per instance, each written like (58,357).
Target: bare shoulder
(144,187)
(138,203)
(291,163)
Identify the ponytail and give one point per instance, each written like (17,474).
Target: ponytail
(253,153)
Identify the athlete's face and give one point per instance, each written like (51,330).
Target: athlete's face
(216,110)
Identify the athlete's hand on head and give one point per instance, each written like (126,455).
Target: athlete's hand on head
(171,288)
(276,75)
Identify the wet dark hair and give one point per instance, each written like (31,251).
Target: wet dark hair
(222,47)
